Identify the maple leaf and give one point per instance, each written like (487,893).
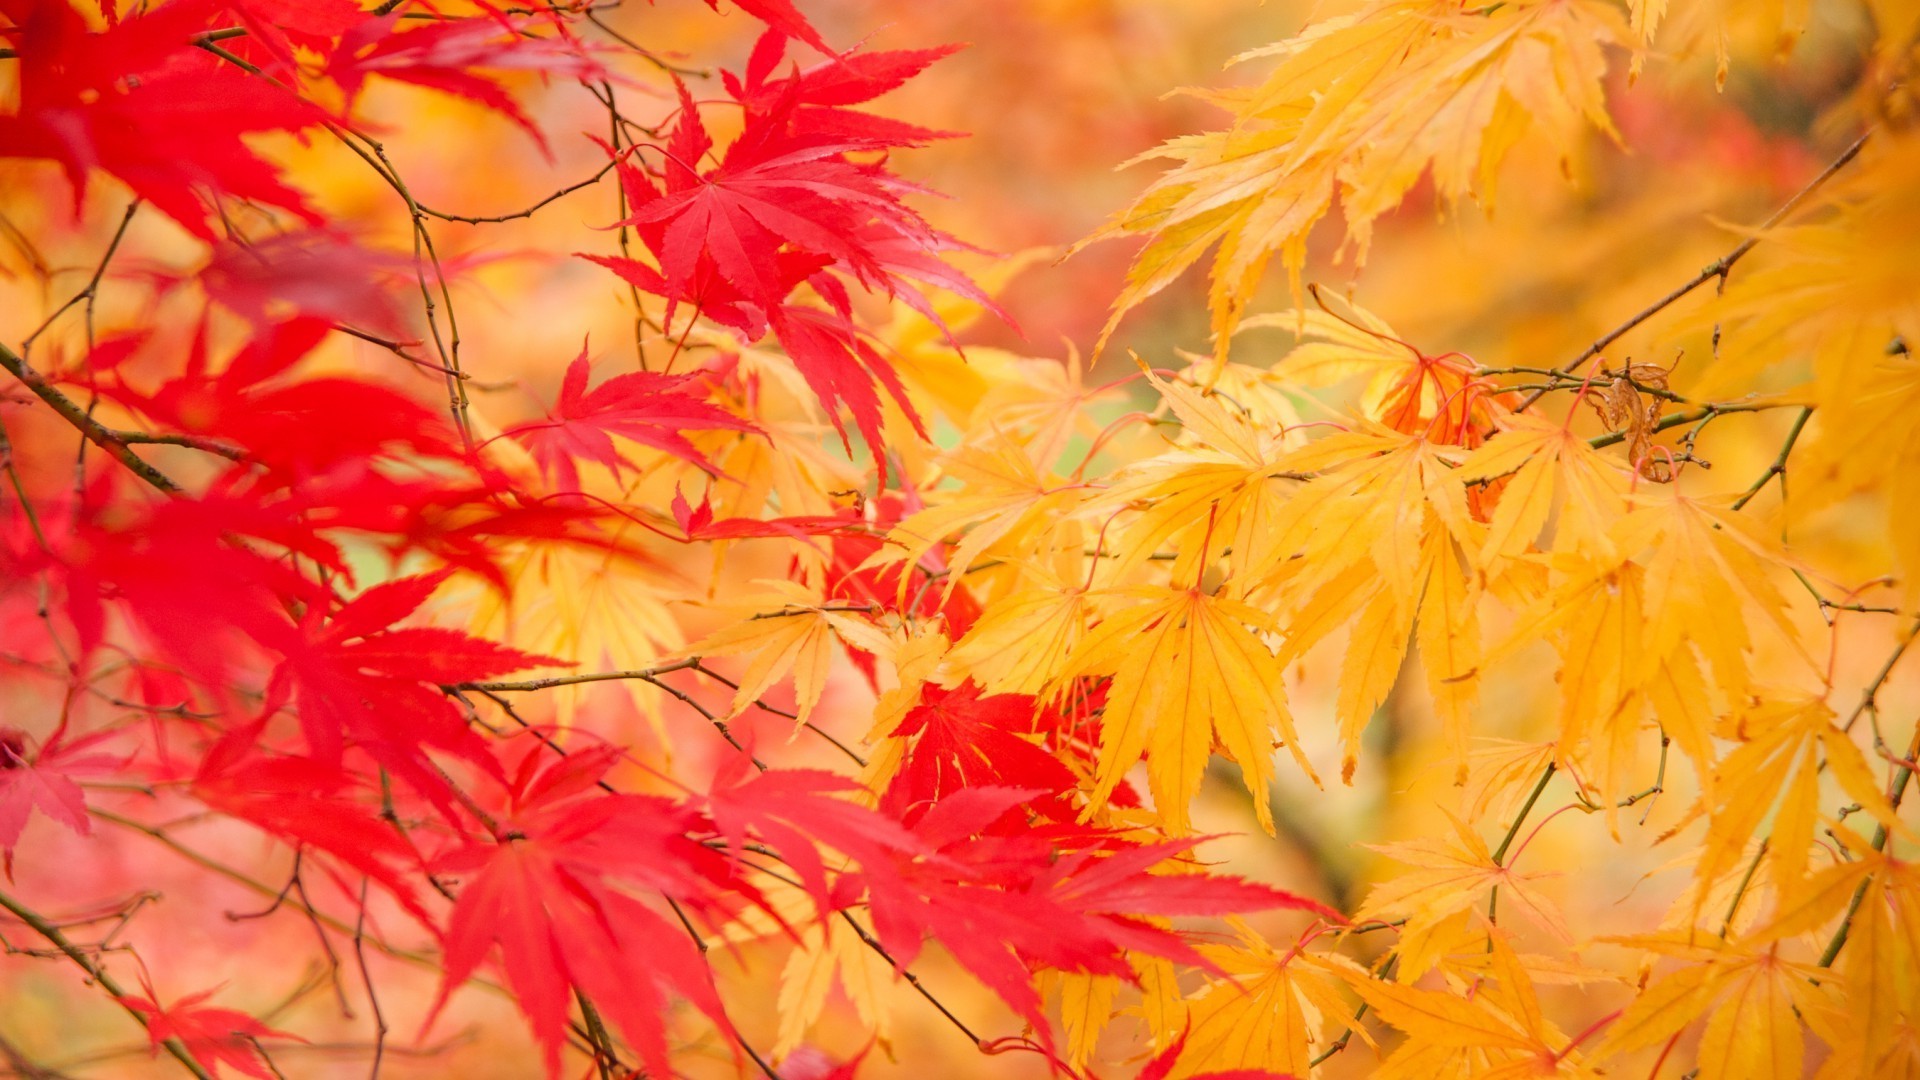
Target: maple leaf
(1449,876)
(316,272)
(355,678)
(544,891)
(138,102)
(312,806)
(1187,667)
(443,55)
(1001,903)
(213,1035)
(1785,745)
(796,812)
(1543,457)
(829,953)
(173,568)
(641,406)
(784,204)
(1021,638)
(1261,1012)
(1879,950)
(1496,1031)
(1755,996)
(1406,389)
(275,27)
(795,637)
(700,524)
(858,577)
(960,739)
(1228,484)
(43,780)
(1362,106)
(1004,497)
(290,426)
(782,16)
(773,187)
(1704,562)
(823,92)
(840,366)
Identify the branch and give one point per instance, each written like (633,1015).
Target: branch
(1719,268)
(98,974)
(94,431)
(1869,696)
(529,211)
(1896,791)
(1779,466)
(575,680)
(92,289)
(1704,413)
(345,929)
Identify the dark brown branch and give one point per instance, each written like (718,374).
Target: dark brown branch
(1719,268)
(529,211)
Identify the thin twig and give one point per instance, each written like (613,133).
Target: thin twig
(98,974)
(1719,268)
(94,431)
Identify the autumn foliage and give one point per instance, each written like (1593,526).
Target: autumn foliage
(531,544)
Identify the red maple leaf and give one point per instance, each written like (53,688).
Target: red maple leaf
(275,27)
(699,523)
(646,407)
(214,1036)
(137,101)
(782,16)
(196,593)
(443,55)
(317,273)
(44,781)
(1005,901)
(312,807)
(292,426)
(356,679)
(546,892)
(796,811)
(961,739)
(822,93)
(778,186)
(787,205)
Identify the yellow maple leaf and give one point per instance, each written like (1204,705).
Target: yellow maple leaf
(1021,639)
(789,630)
(1363,106)
(1449,876)
(1612,679)
(1265,1010)
(1542,457)
(1495,1029)
(1086,1008)
(1223,482)
(830,953)
(1752,996)
(1187,667)
(1787,740)
(1003,496)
